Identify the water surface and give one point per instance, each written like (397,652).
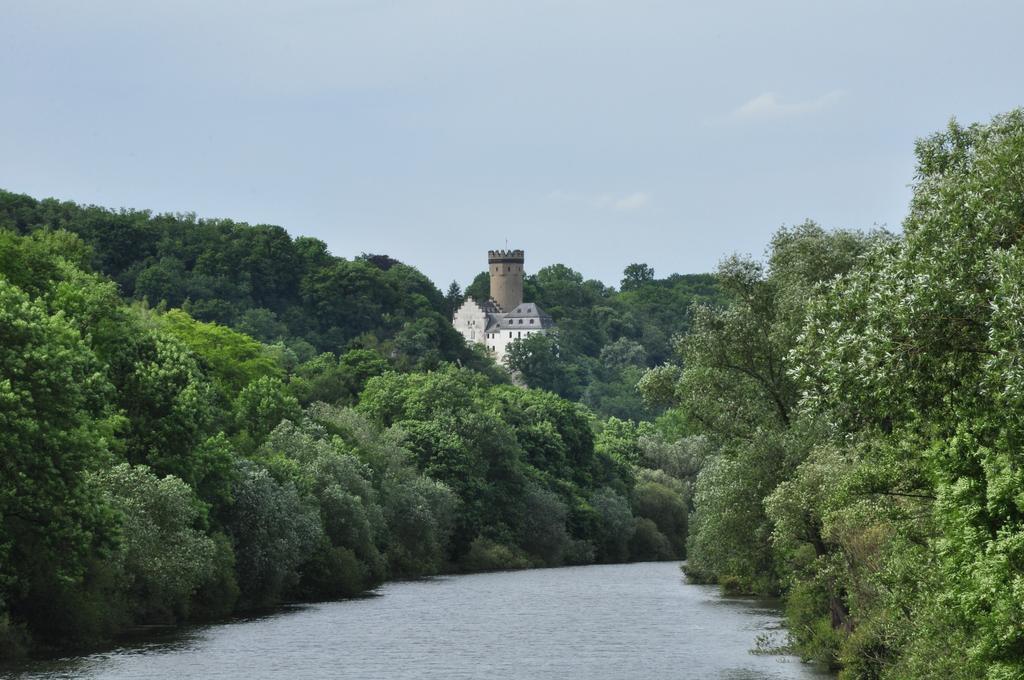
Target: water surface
(608,622)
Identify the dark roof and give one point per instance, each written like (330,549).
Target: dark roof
(489,306)
(530,310)
(527,309)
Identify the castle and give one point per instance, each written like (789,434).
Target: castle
(504,318)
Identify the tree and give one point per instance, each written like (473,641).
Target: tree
(614,525)
(260,406)
(346,300)
(54,427)
(456,439)
(736,388)
(636,275)
(161,559)
(272,531)
(261,324)
(542,532)
(538,359)
(663,500)
(332,380)
(480,288)
(420,516)
(919,350)
(453,299)
(163,281)
(232,358)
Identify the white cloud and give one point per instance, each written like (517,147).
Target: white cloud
(770,105)
(633,201)
(619,202)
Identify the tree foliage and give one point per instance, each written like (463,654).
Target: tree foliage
(860,399)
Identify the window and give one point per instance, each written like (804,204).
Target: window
(531,321)
(520,322)
(519,334)
(510,334)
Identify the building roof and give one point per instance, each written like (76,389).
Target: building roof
(489,306)
(527,316)
(529,310)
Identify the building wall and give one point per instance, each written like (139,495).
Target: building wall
(506,270)
(499,340)
(470,320)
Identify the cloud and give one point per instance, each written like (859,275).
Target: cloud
(770,105)
(619,202)
(633,201)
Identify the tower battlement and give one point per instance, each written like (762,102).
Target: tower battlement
(504,256)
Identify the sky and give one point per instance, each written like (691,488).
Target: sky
(590,133)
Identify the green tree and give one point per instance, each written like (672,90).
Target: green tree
(614,525)
(54,427)
(260,406)
(636,275)
(735,386)
(232,358)
(542,532)
(273,533)
(161,560)
(663,500)
(453,299)
(920,347)
(538,359)
(330,379)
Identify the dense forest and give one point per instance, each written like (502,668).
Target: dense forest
(294,295)
(203,417)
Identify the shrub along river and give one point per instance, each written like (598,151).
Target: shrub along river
(628,621)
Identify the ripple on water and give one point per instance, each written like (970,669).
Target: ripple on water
(608,622)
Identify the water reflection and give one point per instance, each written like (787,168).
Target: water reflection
(632,622)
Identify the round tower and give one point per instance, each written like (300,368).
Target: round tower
(506,267)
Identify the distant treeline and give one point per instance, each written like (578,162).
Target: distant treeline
(294,294)
(862,395)
(201,417)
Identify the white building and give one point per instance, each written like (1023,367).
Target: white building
(498,322)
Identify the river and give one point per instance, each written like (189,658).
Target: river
(614,622)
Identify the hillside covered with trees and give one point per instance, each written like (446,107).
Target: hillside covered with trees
(203,417)
(293,294)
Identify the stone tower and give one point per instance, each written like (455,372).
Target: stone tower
(506,277)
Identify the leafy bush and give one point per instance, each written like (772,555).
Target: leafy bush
(273,532)
(161,560)
(615,525)
(647,543)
